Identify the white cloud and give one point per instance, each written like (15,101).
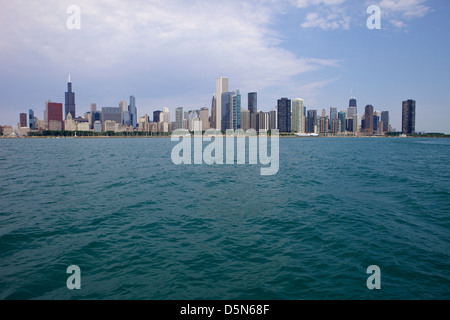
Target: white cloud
(160,38)
(399,12)
(331,21)
(327,14)
(307,3)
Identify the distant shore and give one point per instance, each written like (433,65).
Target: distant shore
(168,137)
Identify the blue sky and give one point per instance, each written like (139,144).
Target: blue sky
(169,53)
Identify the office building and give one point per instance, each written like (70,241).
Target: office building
(54,112)
(253,102)
(284,115)
(273,119)
(297,116)
(409,117)
(221,88)
(368,120)
(236,111)
(311,121)
(132,110)
(70,101)
(213,113)
(23,120)
(31,120)
(226,109)
(342,117)
(166,115)
(385,120)
(204,118)
(245,119)
(263,120)
(179,115)
(376,122)
(157,116)
(355,123)
(111,114)
(353,104)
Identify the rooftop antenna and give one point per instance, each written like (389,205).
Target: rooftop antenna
(69,77)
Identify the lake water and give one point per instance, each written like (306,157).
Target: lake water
(140,227)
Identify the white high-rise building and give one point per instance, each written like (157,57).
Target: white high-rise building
(356,123)
(221,87)
(298,116)
(166,115)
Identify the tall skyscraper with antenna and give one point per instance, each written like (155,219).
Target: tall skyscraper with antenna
(70,101)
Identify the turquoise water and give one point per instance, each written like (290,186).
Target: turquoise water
(140,227)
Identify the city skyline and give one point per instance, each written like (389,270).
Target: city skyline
(290,116)
(320,51)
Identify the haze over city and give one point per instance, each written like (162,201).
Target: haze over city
(169,54)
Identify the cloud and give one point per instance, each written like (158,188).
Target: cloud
(330,21)
(399,12)
(307,3)
(336,14)
(327,14)
(166,39)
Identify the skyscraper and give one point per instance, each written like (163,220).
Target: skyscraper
(333,113)
(368,120)
(284,115)
(54,113)
(253,102)
(245,119)
(355,123)
(385,120)
(70,101)
(213,112)
(311,121)
(353,104)
(204,118)
(409,117)
(236,110)
(166,114)
(273,119)
(342,116)
(226,109)
(376,122)
(31,122)
(157,116)
(221,87)
(298,119)
(23,120)
(179,114)
(133,112)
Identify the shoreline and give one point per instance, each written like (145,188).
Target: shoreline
(192,136)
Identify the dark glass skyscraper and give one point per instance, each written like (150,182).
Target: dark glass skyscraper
(157,116)
(31,122)
(385,119)
(284,115)
(409,117)
(253,102)
(311,121)
(227,101)
(133,112)
(70,101)
(353,104)
(368,120)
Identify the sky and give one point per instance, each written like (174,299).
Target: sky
(169,53)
